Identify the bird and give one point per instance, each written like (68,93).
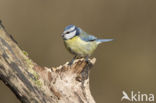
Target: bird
(80,43)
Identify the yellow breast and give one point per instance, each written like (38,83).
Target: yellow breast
(80,47)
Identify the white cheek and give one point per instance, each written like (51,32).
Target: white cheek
(70,35)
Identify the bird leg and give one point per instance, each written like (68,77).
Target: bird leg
(71,62)
(87,59)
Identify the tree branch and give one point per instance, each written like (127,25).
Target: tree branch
(32,83)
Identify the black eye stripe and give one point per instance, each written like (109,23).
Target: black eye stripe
(67,32)
(70,31)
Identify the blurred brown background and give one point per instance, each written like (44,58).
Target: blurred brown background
(128,63)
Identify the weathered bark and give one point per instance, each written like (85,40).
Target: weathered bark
(32,83)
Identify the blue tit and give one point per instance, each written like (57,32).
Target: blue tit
(79,43)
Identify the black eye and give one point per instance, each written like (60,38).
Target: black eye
(67,32)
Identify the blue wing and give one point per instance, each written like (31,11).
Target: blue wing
(84,36)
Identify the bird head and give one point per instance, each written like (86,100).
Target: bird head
(70,31)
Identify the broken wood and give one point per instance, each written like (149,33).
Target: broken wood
(32,83)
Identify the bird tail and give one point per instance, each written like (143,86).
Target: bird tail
(103,40)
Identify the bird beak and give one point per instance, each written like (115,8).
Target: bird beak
(62,34)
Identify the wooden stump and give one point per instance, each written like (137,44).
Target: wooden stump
(32,83)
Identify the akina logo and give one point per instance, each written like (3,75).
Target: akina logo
(137,97)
